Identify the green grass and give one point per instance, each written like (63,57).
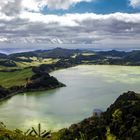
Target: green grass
(110,136)
(35,62)
(88,54)
(17,134)
(7,68)
(17,78)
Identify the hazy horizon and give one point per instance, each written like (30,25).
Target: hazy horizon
(10,50)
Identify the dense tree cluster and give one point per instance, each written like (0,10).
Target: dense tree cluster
(42,80)
(3,92)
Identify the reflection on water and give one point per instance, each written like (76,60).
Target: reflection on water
(88,87)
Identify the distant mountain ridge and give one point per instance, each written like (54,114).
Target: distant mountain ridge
(112,57)
(54,53)
(2,55)
(62,52)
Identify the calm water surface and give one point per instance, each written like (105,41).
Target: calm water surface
(88,87)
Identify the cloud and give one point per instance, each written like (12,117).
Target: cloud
(37,5)
(10,7)
(3,39)
(63,4)
(14,7)
(88,28)
(21,22)
(135,3)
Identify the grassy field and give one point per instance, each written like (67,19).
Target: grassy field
(35,62)
(24,64)
(9,79)
(88,54)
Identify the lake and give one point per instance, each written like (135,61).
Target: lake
(88,87)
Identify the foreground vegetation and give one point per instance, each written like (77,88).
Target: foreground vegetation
(30,134)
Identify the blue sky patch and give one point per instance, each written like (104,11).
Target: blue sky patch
(98,7)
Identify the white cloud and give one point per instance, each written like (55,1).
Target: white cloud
(64,20)
(10,7)
(3,39)
(14,7)
(37,5)
(88,28)
(77,19)
(62,4)
(135,3)
(31,5)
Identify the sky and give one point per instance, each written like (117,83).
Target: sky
(45,24)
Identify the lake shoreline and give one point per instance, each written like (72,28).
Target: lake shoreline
(61,84)
(40,81)
(27,91)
